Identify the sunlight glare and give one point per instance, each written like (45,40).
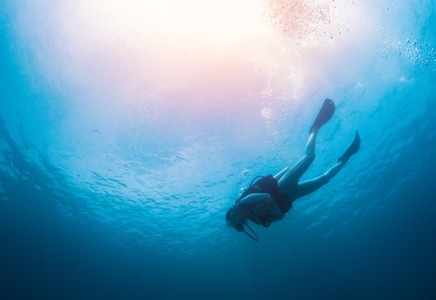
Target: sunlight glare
(224,20)
(164,45)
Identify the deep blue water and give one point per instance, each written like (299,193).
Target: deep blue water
(116,169)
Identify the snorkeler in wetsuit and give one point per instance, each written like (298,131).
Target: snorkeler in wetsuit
(269,198)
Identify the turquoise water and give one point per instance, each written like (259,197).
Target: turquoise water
(128,128)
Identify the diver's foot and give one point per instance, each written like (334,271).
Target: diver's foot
(325,114)
(354,147)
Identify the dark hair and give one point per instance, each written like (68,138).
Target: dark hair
(233,220)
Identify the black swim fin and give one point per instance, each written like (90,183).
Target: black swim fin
(354,147)
(325,114)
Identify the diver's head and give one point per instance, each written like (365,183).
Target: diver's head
(235,219)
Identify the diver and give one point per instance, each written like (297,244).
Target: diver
(270,197)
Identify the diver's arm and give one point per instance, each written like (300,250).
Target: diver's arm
(261,205)
(258,203)
(257,198)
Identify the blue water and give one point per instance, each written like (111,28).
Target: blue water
(114,187)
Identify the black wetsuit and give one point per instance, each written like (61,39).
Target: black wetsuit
(269,184)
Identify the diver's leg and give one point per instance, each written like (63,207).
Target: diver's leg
(288,178)
(309,186)
(280,174)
